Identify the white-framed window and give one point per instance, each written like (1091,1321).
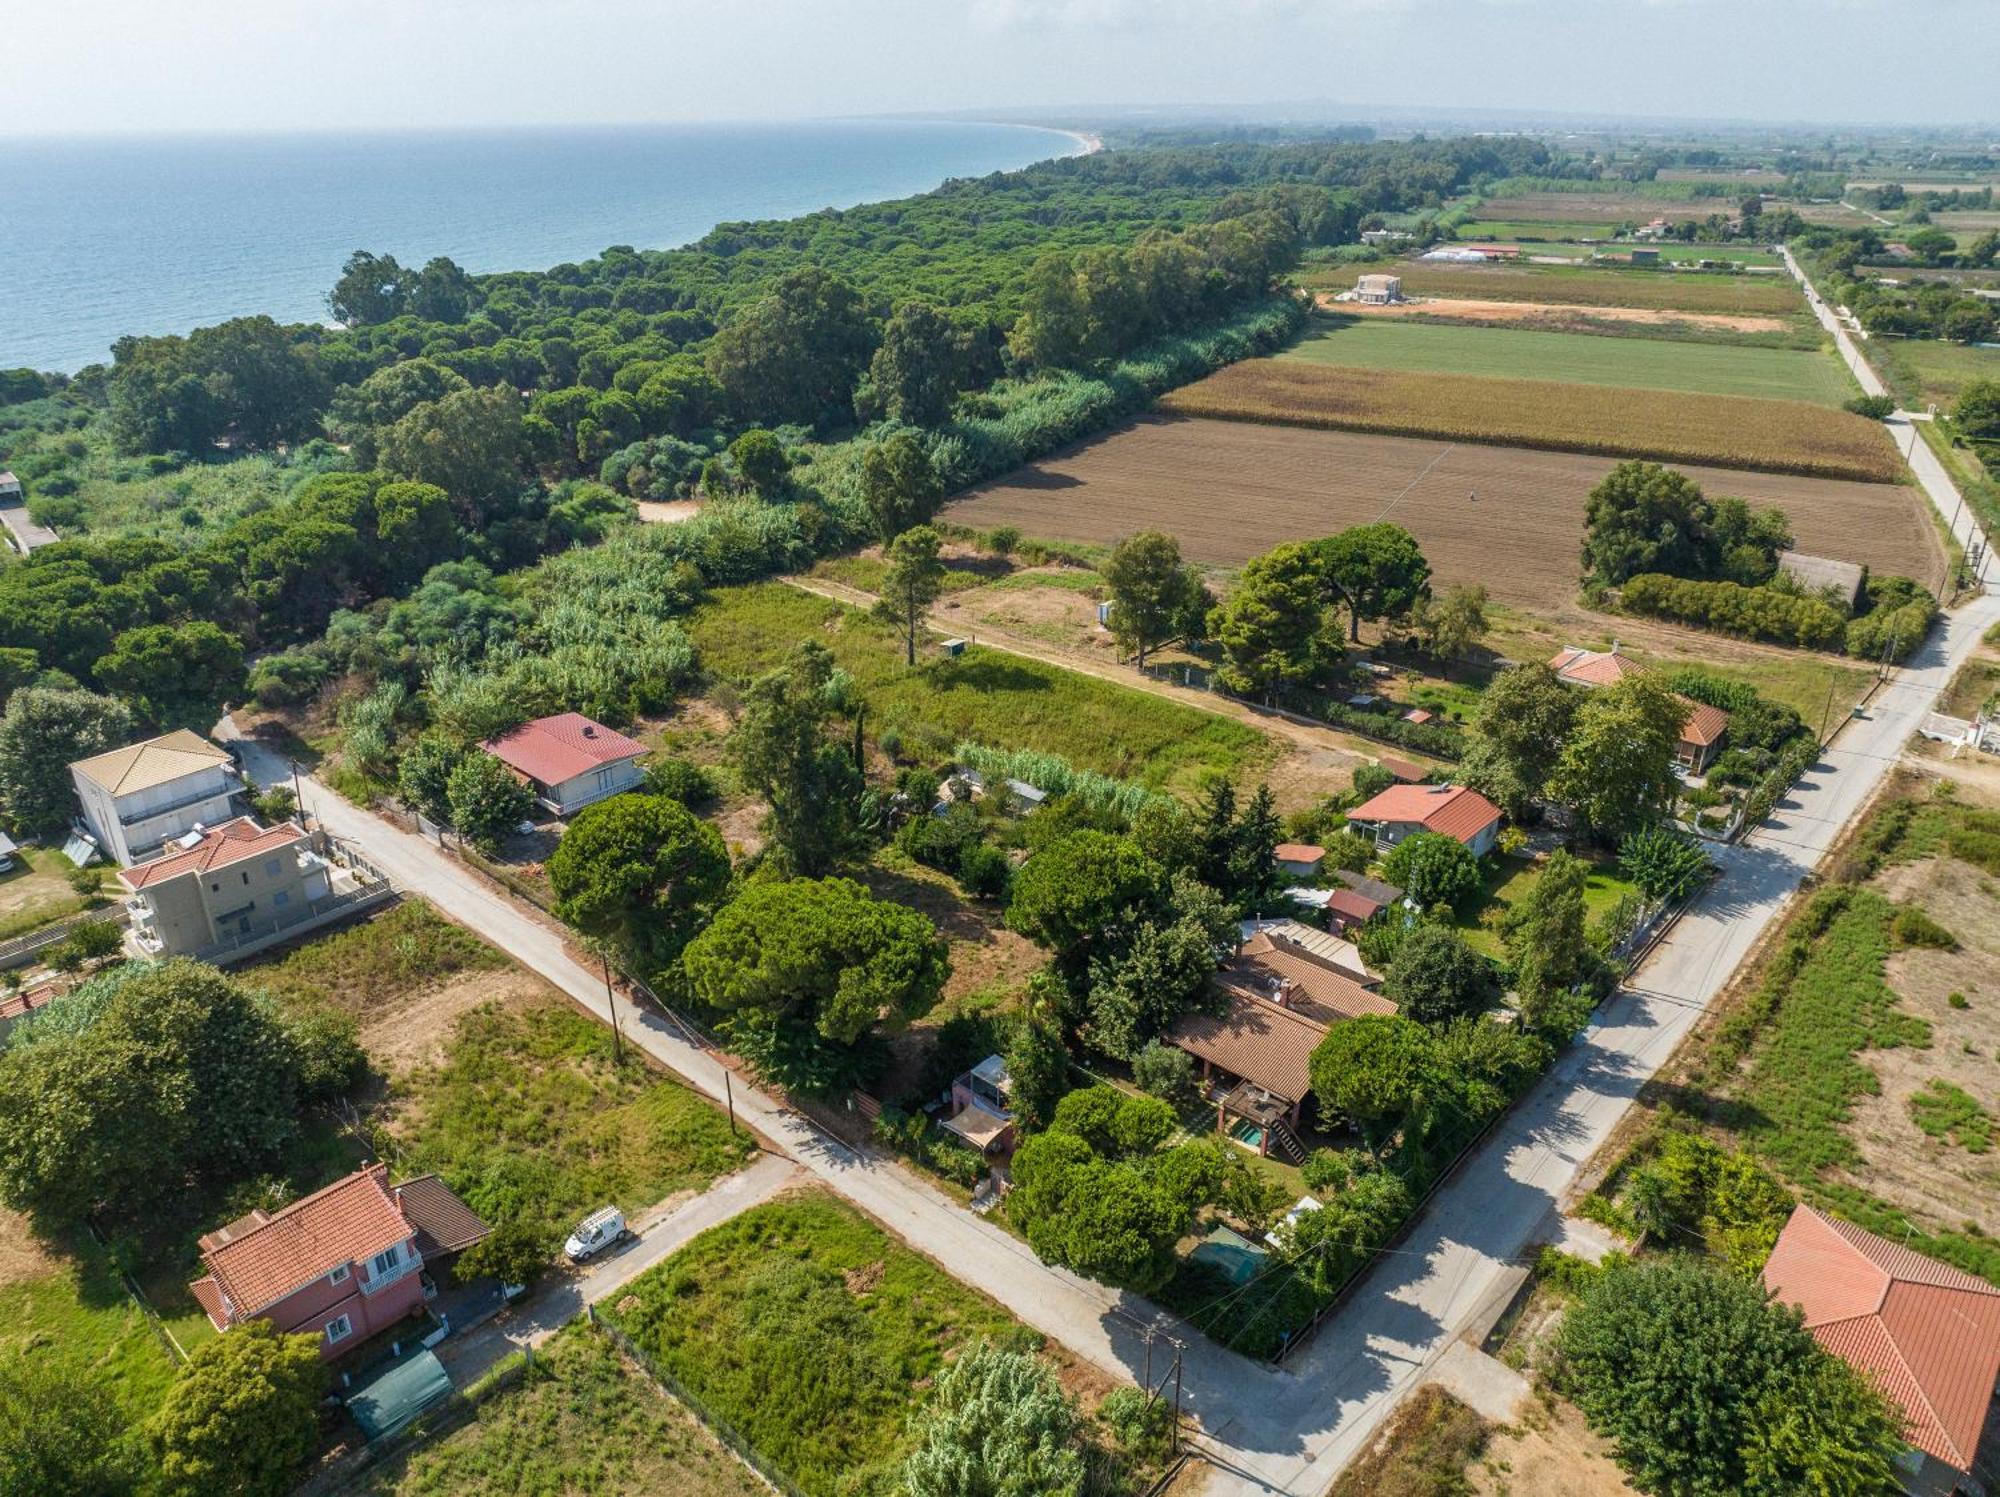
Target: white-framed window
(338,1276)
(339,1328)
(386,1261)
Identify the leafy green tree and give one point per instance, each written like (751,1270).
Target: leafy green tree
(1432,869)
(1525,718)
(371,289)
(487,799)
(1436,977)
(42,732)
(996,1424)
(423,775)
(1642,517)
(1361,1213)
(243,1416)
(916,372)
(899,484)
(794,355)
(1377,570)
(1037,1059)
(640,870)
(441,292)
(467,442)
(1447,628)
(1082,894)
(177,674)
(1154,595)
(1273,627)
(1053,328)
(1164,1071)
(1097,1194)
(1380,1072)
(1158,969)
(1976,414)
(61,1434)
(359,413)
(1698,1378)
(1664,863)
(762,461)
(1253,859)
(1548,932)
(1616,771)
(912,583)
(819,949)
(416,529)
(121,1114)
(781,745)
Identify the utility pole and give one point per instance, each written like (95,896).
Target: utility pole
(298,795)
(611,999)
(1826,716)
(729,1098)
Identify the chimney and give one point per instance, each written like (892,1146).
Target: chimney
(590,730)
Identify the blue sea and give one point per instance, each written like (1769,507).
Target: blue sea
(102,237)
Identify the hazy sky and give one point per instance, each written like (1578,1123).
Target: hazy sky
(134,65)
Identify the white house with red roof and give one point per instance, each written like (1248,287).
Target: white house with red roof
(1927,1335)
(341,1264)
(1454,811)
(570,761)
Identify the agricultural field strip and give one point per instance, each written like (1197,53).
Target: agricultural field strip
(1582,286)
(1508,517)
(1732,431)
(1397,343)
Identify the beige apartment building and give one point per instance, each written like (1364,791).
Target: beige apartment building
(229,889)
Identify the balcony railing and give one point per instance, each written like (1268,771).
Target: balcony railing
(233,787)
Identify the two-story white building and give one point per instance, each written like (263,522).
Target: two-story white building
(139,798)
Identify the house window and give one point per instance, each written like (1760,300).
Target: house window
(246,875)
(271,866)
(282,898)
(339,1329)
(339,1275)
(386,1261)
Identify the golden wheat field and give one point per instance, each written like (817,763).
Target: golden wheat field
(1731,431)
(1508,517)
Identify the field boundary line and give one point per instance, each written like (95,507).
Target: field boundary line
(1426,473)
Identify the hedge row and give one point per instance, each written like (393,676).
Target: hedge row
(1764,613)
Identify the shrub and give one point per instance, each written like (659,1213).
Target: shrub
(1914,927)
(1165,1071)
(983,871)
(1874,407)
(1432,869)
(677,779)
(1760,613)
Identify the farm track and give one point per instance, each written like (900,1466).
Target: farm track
(1232,489)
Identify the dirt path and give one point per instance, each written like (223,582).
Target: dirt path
(1302,734)
(1537,311)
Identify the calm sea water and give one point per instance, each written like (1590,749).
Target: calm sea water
(103,237)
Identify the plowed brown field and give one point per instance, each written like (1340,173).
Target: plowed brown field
(1509,517)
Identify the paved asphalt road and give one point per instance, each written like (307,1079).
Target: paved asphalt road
(1292,1431)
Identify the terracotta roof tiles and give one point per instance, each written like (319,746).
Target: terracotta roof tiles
(559,748)
(262,1259)
(218,847)
(1456,811)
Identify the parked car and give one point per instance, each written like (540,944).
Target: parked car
(594,1234)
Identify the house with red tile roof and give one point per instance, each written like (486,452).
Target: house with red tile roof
(1299,859)
(569,761)
(1701,733)
(1454,811)
(1927,1334)
(341,1264)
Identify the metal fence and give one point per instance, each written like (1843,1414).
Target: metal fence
(718,1426)
(22,949)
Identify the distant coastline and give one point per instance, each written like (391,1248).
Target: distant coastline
(109,236)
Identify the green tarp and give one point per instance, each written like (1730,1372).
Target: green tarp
(410,1386)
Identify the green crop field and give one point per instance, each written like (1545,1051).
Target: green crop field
(1586,286)
(1632,363)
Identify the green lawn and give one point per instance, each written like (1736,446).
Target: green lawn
(365,967)
(996,699)
(36,891)
(581,1420)
(1519,353)
(74,1307)
(812,1332)
(1505,882)
(528,1118)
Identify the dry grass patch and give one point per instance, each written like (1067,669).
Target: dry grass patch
(1551,1453)
(1737,431)
(1588,286)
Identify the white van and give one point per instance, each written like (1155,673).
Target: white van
(594,1234)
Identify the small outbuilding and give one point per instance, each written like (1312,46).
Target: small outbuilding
(1299,859)
(1824,576)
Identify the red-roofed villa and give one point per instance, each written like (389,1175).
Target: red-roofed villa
(1927,1334)
(1454,811)
(570,761)
(342,1263)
